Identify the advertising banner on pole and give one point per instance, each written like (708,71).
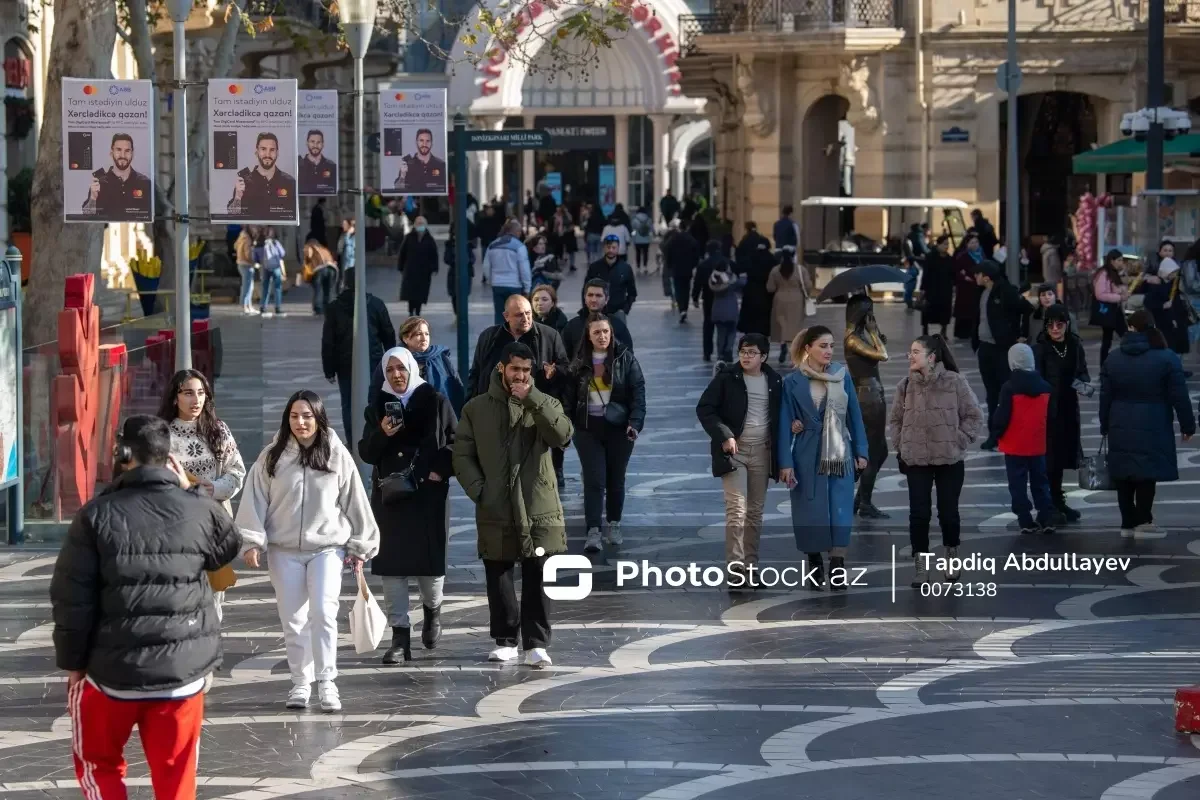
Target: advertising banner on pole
(252,148)
(108,150)
(608,188)
(10,387)
(317,145)
(413,127)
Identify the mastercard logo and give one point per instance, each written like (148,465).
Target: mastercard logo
(137,192)
(88,89)
(436,172)
(220,165)
(235,89)
(74,165)
(282,192)
(400,95)
(326,174)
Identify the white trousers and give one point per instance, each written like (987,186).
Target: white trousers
(307,587)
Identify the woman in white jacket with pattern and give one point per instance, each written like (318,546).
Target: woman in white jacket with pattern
(305,505)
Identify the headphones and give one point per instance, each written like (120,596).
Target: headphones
(122,453)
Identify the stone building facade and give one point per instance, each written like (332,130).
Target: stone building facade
(916,82)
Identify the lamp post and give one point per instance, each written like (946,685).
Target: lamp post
(1155,93)
(1012,222)
(358,20)
(180,11)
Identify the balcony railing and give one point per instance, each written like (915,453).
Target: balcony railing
(789,16)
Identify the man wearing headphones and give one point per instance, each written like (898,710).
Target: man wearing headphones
(135,627)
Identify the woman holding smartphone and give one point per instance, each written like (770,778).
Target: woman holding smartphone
(204,447)
(306,507)
(606,399)
(409,438)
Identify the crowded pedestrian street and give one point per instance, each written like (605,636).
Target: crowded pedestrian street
(1032,676)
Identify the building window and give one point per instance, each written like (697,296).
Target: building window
(641,162)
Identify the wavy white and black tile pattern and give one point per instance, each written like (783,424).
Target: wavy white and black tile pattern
(1059,686)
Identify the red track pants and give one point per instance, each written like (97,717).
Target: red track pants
(170,732)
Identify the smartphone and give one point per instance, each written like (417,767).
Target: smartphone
(392,142)
(79,150)
(225,150)
(395,411)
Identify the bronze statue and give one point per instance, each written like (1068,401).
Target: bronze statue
(866,348)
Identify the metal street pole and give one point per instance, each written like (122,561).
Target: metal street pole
(180,10)
(462,272)
(1013,182)
(358,21)
(1155,89)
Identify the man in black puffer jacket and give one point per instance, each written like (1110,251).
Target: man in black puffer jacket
(135,625)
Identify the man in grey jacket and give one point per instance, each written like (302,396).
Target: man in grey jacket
(506,267)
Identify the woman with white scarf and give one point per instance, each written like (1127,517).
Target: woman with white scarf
(408,438)
(821,443)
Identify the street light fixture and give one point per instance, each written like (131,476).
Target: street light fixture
(358,21)
(180,11)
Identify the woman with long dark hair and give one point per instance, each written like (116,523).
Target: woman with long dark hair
(205,448)
(606,400)
(935,417)
(821,443)
(410,426)
(1060,359)
(1109,294)
(1142,392)
(306,507)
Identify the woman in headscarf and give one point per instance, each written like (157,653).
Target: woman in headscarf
(408,438)
(821,443)
(1060,359)
(866,349)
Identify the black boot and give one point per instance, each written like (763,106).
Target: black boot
(433,627)
(838,581)
(817,564)
(782,353)
(400,644)
(1067,513)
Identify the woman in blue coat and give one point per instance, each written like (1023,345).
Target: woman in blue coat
(1142,392)
(821,443)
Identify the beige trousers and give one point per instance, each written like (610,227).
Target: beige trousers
(745,496)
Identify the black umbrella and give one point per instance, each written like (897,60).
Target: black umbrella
(856,278)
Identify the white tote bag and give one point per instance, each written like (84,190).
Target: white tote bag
(367,620)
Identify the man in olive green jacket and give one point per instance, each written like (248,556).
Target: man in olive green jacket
(502,460)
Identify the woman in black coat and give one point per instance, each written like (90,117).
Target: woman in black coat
(937,287)
(409,424)
(1061,361)
(755,314)
(419,263)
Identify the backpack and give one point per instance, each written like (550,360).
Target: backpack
(641,225)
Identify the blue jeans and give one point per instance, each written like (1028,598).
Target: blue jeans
(592,243)
(500,295)
(1031,471)
(247,293)
(726,336)
(322,286)
(272,289)
(910,285)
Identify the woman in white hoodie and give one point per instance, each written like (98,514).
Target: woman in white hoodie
(304,503)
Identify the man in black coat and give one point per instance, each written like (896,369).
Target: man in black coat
(681,254)
(614,270)
(987,233)
(714,260)
(668,206)
(549,356)
(337,342)
(740,412)
(1003,321)
(135,624)
(595,299)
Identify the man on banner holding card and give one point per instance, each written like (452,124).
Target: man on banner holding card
(120,191)
(265,191)
(317,174)
(422,171)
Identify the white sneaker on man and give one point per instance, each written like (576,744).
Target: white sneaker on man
(503,653)
(298,697)
(1128,533)
(614,533)
(331,701)
(537,658)
(592,544)
(1149,531)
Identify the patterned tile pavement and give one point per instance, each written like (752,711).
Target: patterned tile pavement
(1047,685)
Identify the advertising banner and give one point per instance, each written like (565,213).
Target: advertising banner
(252,148)
(10,361)
(317,145)
(413,127)
(608,188)
(108,152)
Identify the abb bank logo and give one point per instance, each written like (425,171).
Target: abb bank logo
(565,562)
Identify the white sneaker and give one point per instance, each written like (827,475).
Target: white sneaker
(330,700)
(1128,533)
(537,658)
(267,315)
(1149,531)
(592,545)
(298,697)
(280,314)
(614,533)
(503,653)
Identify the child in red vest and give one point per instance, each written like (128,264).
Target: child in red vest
(1019,425)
